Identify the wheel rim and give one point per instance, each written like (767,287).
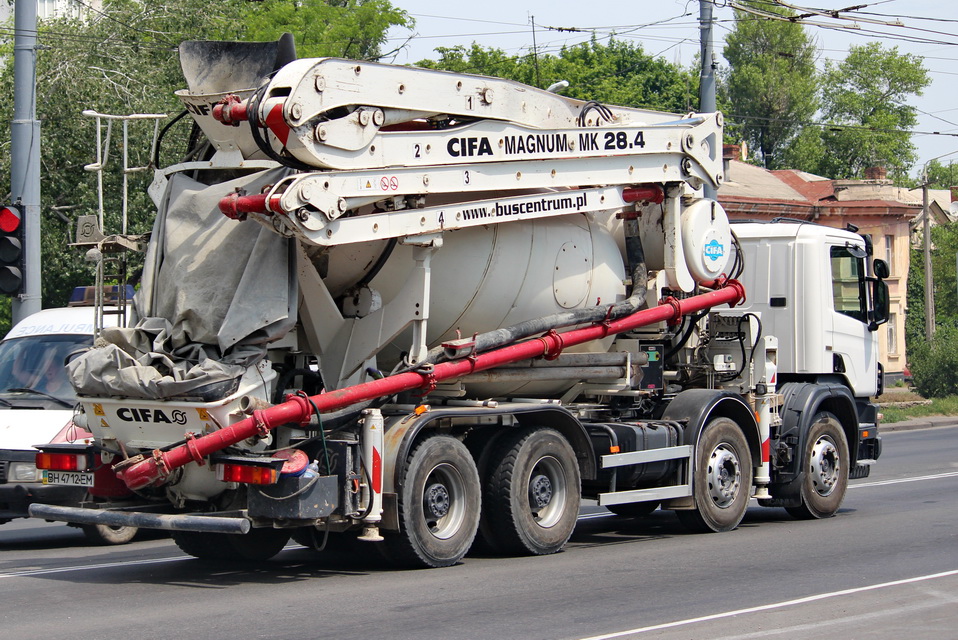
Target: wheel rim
(825,466)
(442,501)
(724,476)
(547,492)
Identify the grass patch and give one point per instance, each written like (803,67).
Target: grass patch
(938,407)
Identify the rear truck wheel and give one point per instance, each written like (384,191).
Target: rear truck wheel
(257,545)
(633,509)
(722,479)
(825,477)
(103,534)
(438,507)
(531,493)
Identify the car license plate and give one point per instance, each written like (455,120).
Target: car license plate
(72,478)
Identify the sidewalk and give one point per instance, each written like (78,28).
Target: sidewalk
(919,423)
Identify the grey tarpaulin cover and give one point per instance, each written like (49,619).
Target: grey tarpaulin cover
(214,293)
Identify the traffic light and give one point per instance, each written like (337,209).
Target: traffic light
(11,249)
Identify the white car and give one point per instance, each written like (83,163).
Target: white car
(36,403)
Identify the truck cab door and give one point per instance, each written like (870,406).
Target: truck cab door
(854,344)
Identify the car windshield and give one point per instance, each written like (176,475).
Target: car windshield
(36,364)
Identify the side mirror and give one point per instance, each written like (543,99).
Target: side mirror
(881,269)
(880,298)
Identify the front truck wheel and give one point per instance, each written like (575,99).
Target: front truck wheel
(825,477)
(722,479)
(104,534)
(532,493)
(438,507)
(258,544)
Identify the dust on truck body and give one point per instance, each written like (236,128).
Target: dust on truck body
(441,309)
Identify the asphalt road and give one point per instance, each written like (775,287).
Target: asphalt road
(885,567)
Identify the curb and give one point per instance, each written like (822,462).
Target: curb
(919,423)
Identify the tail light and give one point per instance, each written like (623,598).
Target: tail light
(64,459)
(247,470)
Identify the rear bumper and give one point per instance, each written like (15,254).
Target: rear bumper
(233,522)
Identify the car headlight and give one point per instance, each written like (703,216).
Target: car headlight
(22,472)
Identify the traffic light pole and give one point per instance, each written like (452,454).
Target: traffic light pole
(25,153)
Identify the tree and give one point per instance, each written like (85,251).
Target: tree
(942,176)
(771,84)
(619,73)
(123,60)
(944,239)
(339,28)
(866,111)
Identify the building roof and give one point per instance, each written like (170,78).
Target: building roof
(752,190)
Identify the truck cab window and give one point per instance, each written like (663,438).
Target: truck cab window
(848,284)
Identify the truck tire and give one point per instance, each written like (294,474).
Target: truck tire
(531,493)
(825,469)
(257,545)
(439,505)
(722,479)
(103,534)
(205,546)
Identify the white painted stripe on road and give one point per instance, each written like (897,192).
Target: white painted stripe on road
(881,483)
(769,607)
(105,565)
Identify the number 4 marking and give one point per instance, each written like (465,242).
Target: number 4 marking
(639,140)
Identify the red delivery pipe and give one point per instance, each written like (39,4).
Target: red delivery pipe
(140,471)
(644,193)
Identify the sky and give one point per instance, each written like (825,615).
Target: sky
(670,28)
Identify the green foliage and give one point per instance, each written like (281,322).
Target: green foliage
(772,84)
(340,28)
(124,60)
(619,73)
(934,364)
(869,91)
(942,176)
(946,406)
(944,240)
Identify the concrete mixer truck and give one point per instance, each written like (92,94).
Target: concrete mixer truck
(432,311)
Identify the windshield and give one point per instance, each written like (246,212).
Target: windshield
(37,363)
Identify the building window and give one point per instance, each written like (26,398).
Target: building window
(890,253)
(46,9)
(891,333)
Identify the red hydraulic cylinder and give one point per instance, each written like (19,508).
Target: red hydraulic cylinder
(237,206)
(141,471)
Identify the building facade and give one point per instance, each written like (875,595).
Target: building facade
(48,9)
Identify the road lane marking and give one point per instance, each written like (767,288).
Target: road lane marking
(770,607)
(832,623)
(105,565)
(881,483)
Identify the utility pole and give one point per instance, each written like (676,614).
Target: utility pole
(25,153)
(929,282)
(707,77)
